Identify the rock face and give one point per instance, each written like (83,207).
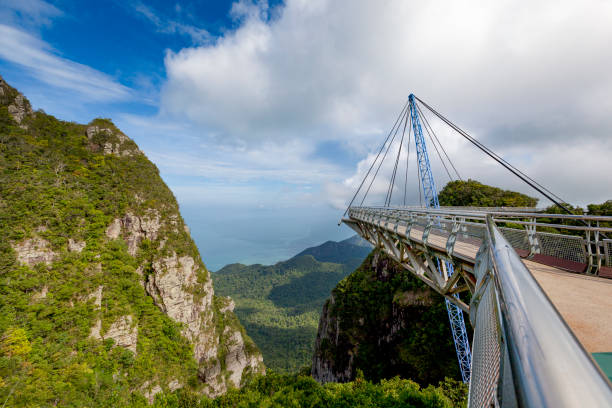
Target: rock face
(135,228)
(34,251)
(17,105)
(170,286)
(383,322)
(75,246)
(110,141)
(124,333)
(174,287)
(20,108)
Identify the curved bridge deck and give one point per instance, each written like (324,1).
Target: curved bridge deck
(584,301)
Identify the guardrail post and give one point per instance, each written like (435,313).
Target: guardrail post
(426,230)
(534,242)
(452,238)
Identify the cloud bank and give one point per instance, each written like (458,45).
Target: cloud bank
(532,80)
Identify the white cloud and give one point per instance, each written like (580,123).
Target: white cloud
(168,26)
(28,12)
(526,78)
(42,61)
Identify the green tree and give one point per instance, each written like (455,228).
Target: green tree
(473,193)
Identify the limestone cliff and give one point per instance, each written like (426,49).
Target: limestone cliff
(99,271)
(384,322)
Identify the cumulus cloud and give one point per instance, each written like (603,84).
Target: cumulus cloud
(530,79)
(38,57)
(347,65)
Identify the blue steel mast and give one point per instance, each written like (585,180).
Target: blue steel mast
(455,315)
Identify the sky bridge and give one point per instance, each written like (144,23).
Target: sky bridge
(537,287)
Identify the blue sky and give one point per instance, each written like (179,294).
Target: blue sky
(264,116)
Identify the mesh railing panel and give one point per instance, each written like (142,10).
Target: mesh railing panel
(472,231)
(607,243)
(566,247)
(517,238)
(485,352)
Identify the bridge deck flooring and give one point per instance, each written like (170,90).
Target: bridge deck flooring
(585,302)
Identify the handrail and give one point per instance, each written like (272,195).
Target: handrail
(480,211)
(550,368)
(502,217)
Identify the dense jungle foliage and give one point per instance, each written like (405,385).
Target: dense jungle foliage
(472,193)
(283,390)
(385,322)
(57,185)
(279,305)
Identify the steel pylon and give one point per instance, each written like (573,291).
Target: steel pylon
(430,195)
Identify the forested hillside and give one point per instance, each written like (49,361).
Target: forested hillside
(280,304)
(382,321)
(104,299)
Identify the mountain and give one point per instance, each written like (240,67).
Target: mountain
(349,252)
(279,305)
(104,299)
(383,322)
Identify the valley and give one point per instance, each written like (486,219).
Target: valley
(280,305)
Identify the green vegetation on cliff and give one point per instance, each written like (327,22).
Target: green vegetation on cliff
(279,305)
(383,321)
(77,326)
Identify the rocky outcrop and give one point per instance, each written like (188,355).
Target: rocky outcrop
(123,331)
(149,391)
(229,307)
(135,228)
(75,246)
(40,295)
(34,251)
(175,288)
(171,286)
(384,322)
(20,108)
(110,141)
(181,288)
(236,359)
(97,297)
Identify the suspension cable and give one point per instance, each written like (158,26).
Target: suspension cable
(438,140)
(382,160)
(528,180)
(374,162)
(437,151)
(407,162)
(399,152)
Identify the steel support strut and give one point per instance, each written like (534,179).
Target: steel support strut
(430,195)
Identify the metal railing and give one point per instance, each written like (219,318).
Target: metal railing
(524,354)
(583,242)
